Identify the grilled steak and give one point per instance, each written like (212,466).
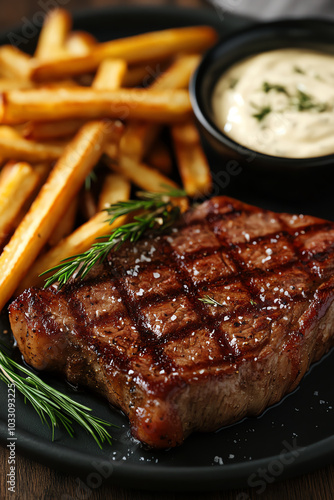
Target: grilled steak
(136,331)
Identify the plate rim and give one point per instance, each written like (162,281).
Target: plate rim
(205,477)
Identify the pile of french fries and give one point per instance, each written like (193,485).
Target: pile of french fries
(76,106)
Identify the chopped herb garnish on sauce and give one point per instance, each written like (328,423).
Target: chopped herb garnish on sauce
(267,87)
(305,102)
(262,112)
(297,69)
(233,82)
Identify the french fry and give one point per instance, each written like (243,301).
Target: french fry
(165,106)
(51,41)
(113,185)
(177,76)
(139,136)
(79,43)
(14,83)
(21,149)
(60,84)
(80,240)
(110,74)
(148,47)
(18,181)
(65,225)
(137,139)
(159,157)
(142,175)
(111,151)
(49,206)
(191,160)
(7,132)
(14,63)
(42,131)
(136,75)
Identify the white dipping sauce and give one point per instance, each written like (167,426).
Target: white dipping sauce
(280,103)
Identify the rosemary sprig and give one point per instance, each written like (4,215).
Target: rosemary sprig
(154,211)
(213,302)
(50,404)
(210,301)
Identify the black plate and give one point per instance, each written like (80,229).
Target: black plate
(293,437)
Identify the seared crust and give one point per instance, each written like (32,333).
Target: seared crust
(138,333)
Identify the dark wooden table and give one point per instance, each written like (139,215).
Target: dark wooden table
(35,481)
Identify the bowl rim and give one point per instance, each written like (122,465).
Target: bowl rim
(209,57)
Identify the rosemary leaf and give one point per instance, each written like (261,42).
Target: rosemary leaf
(50,404)
(210,301)
(151,211)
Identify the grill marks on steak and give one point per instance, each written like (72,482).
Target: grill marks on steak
(137,332)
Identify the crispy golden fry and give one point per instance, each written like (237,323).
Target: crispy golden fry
(159,157)
(113,185)
(14,63)
(137,139)
(139,136)
(148,47)
(51,41)
(192,163)
(136,75)
(187,133)
(111,151)
(80,240)
(79,43)
(177,76)
(18,181)
(65,225)
(142,175)
(167,106)
(52,130)
(144,74)
(21,149)
(110,74)
(14,83)
(64,128)
(7,132)
(60,84)
(51,203)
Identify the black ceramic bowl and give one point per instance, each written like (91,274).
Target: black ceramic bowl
(311,34)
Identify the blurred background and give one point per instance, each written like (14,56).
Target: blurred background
(15,11)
